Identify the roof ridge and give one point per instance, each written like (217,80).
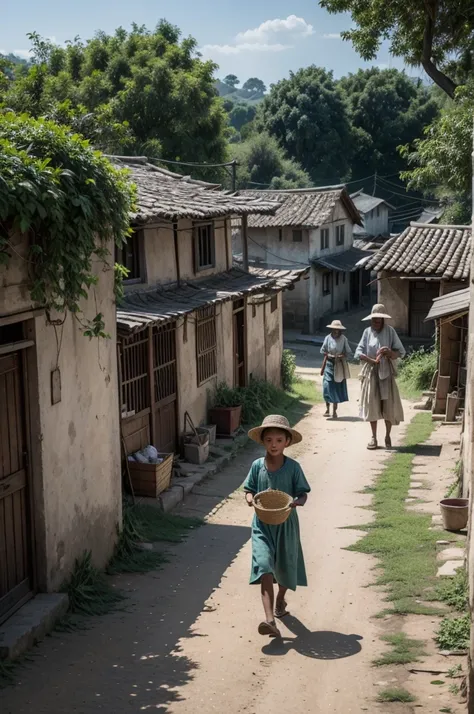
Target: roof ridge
(448,226)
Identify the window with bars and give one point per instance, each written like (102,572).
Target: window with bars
(134,387)
(130,255)
(204,246)
(324,238)
(340,234)
(326,283)
(206,344)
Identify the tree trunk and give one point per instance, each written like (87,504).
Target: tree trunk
(438,77)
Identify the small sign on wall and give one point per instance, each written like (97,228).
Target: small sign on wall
(55,386)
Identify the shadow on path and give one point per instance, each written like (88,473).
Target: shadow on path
(324,645)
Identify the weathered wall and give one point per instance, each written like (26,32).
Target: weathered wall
(255,339)
(160,257)
(338,218)
(274,341)
(376,221)
(75,473)
(395,295)
(264,340)
(296,305)
(14,293)
(264,245)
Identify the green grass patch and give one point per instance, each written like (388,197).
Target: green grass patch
(416,372)
(90,592)
(395,694)
(400,538)
(306,391)
(454,591)
(454,633)
(403,650)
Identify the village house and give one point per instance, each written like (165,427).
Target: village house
(419,265)
(312,229)
(60,470)
(189,319)
(374,213)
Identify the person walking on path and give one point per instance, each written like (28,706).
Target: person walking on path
(277,556)
(335,370)
(378,349)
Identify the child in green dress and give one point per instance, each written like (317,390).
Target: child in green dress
(277,556)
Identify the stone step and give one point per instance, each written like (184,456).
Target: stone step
(31,623)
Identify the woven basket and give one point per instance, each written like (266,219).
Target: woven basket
(272,507)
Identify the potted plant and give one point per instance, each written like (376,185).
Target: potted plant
(227,410)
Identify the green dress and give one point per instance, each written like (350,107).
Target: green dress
(277,549)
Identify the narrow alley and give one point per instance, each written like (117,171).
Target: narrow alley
(188,639)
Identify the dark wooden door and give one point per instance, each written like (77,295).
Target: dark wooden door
(240,341)
(15,533)
(422,294)
(165,388)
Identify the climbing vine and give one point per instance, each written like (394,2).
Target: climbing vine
(70,202)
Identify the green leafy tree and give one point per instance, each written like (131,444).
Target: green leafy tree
(254,86)
(231,80)
(152,84)
(386,109)
(241,114)
(441,161)
(264,164)
(309,118)
(424,33)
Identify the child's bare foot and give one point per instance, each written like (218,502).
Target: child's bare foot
(268,628)
(280,609)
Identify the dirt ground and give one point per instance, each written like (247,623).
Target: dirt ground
(188,641)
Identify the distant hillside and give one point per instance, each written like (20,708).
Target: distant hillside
(234,94)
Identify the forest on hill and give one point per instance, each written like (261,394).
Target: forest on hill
(149,92)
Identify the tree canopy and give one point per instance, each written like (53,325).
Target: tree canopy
(308,117)
(138,92)
(386,109)
(263,164)
(231,80)
(254,85)
(424,33)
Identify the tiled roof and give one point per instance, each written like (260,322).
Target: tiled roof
(365,203)
(169,196)
(345,262)
(438,251)
(164,303)
(308,207)
(455,303)
(284,277)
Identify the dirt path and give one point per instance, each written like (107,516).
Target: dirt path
(190,643)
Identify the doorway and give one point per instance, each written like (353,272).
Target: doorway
(240,343)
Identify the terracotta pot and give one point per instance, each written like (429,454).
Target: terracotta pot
(226,419)
(455,513)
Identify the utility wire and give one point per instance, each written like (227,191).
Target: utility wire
(286,260)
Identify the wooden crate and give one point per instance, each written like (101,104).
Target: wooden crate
(151,479)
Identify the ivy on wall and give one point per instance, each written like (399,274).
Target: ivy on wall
(70,202)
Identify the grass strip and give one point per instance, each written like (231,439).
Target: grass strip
(395,694)
(400,538)
(403,650)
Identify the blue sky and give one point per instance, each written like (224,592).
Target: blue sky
(245,37)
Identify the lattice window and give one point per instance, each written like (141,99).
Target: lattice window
(164,362)
(204,246)
(206,344)
(134,388)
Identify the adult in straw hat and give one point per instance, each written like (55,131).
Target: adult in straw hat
(335,370)
(379,349)
(277,556)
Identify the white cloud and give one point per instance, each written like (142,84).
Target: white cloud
(24,54)
(332,36)
(383,65)
(271,36)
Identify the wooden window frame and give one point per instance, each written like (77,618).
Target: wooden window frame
(138,271)
(341,234)
(135,372)
(206,344)
(326,284)
(203,253)
(324,238)
(297,235)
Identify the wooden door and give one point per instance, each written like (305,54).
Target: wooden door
(165,388)
(240,341)
(15,533)
(422,294)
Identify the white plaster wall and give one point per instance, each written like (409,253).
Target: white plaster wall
(264,244)
(274,341)
(256,341)
(376,225)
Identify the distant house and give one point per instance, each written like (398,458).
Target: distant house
(375,214)
(189,319)
(311,228)
(414,268)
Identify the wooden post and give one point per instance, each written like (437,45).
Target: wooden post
(245,245)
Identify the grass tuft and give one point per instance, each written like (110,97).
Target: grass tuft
(403,650)
(89,590)
(395,694)
(454,633)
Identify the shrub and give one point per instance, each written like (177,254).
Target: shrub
(419,367)
(454,632)
(256,400)
(288,369)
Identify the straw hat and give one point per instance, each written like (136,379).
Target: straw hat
(336,325)
(378,311)
(275,421)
